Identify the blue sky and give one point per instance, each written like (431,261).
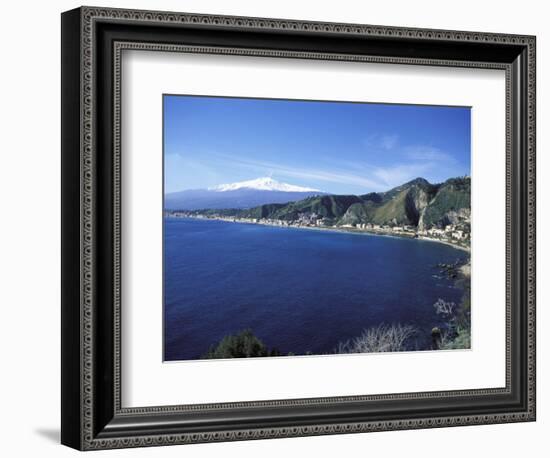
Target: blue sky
(336,147)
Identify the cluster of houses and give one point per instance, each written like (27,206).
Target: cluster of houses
(382,227)
(449,232)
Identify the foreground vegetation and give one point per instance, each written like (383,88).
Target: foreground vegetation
(382,338)
(376,339)
(242,345)
(454,330)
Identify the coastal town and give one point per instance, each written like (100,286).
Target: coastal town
(457,235)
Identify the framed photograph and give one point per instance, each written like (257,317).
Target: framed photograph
(276,228)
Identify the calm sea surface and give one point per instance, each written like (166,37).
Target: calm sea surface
(297,290)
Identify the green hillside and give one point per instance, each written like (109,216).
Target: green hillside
(398,210)
(263,211)
(402,205)
(416,203)
(452,198)
(332,207)
(358,213)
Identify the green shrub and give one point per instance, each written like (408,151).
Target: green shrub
(461,341)
(241,345)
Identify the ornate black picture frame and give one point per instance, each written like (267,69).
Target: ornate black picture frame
(92,42)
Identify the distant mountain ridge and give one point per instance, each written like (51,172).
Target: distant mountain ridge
(417,203)
(240,195)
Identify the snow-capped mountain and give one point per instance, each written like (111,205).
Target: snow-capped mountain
(244,194)
(262,184)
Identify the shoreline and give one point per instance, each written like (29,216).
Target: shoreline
(458,247)
(335,229)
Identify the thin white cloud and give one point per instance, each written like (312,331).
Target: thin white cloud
(337,175)
(388,142)
(386,177)
(399,174)
(381,142)
(175,164)
(429,153)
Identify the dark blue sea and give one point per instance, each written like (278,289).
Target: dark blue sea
(298,290)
